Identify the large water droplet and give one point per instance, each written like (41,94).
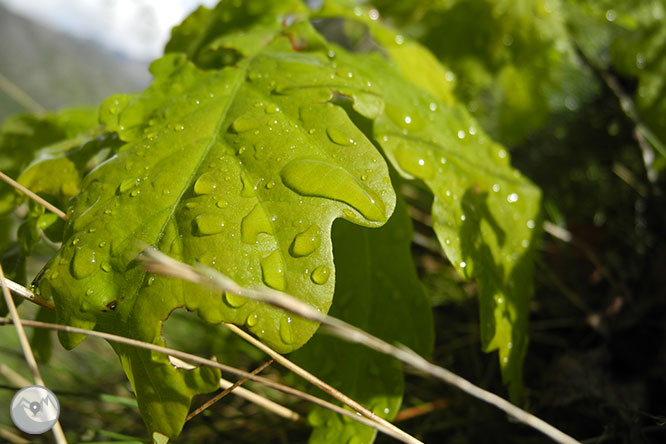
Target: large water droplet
(320,275)
(321,179)
(253,223)
(339,137)
(415,162)
(272,270)
(245,123)
(205,184)
(285,330)
(306,242)
(84,262)
(207,224)
(234,300)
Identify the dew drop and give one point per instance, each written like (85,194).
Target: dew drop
(311,177)
(205,184)
(403,119)
(530,224)
(305,243)
(207,224)
(253,223)
(339,137)
(415,162)
(285,330)
(84,262)
(244,123)
(127,184)
(461,134)
(511,198)
(320,275)
(234,300)
(272,270)
(463,264)
(252,320)
(106,266)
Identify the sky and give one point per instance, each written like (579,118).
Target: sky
(137,29)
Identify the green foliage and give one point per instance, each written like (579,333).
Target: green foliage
(377,289)
(260,129)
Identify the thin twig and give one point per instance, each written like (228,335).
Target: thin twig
(27,350)
(28,295)
(422,409)
(52,208)
(158,262)
(312,379)
(20,96)
(263,402)
(225,392)
(210,363)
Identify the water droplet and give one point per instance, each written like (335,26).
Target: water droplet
(320,275)
(432,106)
(84,262)
(90,292)
(530,224)
(403,119)
(248,189)
(272,109)
(234,300)
(106,267)
(205,184)
(134,193)
(272,270)
(207,224)
(321,179)
(399,40)
(306,242)
(461,134)
(245,123)
(285,330)
(415,162)
(126,184)
(252,320)
(496,187)
(339,137)
(463,264)
(611,15)
(253,223)
(511,198)
(270,184)
(54,275)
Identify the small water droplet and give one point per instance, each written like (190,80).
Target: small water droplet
(84,262)
(106,267)
(285,330)
(272,109)
(415,162)
(511,198)
(126,184)
(208,224)
(461,134)
(496,187)
(272,269)
(245,123)
(339,137)
(320,275)
(252,320)
(463,264)
(399,40)
(305,243)
(530,224)
(255,222)
(234,300)
(205,184)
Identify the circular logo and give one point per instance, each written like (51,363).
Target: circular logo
(34,409)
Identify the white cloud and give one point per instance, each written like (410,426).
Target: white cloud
(136,28)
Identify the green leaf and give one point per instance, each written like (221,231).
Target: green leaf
(514,60)
(486,214)
(23,136)
(377,290)
(243,169)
